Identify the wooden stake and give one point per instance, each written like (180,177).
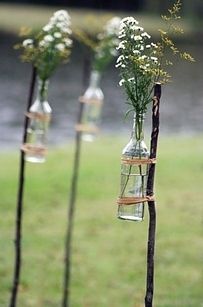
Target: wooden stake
(72,199)
(19,208)
(151,204)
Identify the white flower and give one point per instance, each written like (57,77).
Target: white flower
(122,35)
(145,34)
(48,38)
(27,42)
(129,21)
(131,79)
(143,57)
(153,58)
(48,27)
(137,37)
(154,45)
(112,26)
(119,64)
(148,46)
(140,29)
(120,58)
(121,45)
(136,28)
(136,51)
(61,14)
(67,42)
(43,43)
(121,82)
(57,35)
(60,47)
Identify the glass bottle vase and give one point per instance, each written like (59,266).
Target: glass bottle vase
(39,117)
(93,100)
(134,175)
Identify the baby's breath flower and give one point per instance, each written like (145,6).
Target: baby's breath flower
(47,28)
(121,45)
(60,47)
(48,38)
(28,42)
(105,49)
(57,35)
(136,51)
(44,52)
(141,62)
(154,45)
(120,58)
(129,21)
(131,79)
(121,82)
(153,58)
(145,34)
(137,37)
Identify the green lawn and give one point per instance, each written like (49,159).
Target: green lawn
(109,255)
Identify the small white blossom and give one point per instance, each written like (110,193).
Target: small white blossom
(121,82)
(119,64)
(145,34)
(60,47)
(28,42)
(48,38)
(112,26)
(48,27)
(154,45)
(122,35)
(136,51)
(129,21)
(121,45)
(120,58)
(62,14)
(57,35)
(153,58)
(43,43)
(137,37)
(131,79)
(67,42)
(140,29)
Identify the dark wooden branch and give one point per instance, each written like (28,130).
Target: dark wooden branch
(19,208)
(151,204)
(72,199)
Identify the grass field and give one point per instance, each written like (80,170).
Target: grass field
(109,256)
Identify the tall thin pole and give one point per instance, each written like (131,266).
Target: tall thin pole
(151,204)
(72,200)
(19,208)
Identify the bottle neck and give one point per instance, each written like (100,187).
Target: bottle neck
(95,78)
(138,127)
(42,90)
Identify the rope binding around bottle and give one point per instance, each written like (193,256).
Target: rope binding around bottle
(80,127)
(136,200)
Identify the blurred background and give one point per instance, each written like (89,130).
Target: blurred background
(109,256)
(182,99)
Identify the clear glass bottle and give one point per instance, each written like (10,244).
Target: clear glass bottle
(93,98)
(134,176)
(39,115)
